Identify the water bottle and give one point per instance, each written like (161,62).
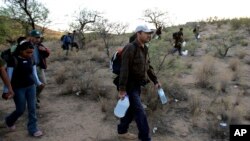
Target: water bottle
(162,96)
(121,107)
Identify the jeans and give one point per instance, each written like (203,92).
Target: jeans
(21,96)
(135,111)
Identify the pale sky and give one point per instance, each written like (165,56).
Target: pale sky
(130,11)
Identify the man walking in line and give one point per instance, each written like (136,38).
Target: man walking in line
(134,73)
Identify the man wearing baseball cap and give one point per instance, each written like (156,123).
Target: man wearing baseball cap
(135,72)
(40,51)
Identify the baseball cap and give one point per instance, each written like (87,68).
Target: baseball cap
(143,28)
(35,33)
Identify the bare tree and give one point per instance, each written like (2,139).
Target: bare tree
(156,17)
(28,12)
(83,20)
(108,30)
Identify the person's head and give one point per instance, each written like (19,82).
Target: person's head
(20,39)
(181,29)
(24,49)
(35,36)
(143,33)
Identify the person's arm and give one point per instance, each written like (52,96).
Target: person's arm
(6,79)
(152,76)
(124,72)
(37,81)
(44,51)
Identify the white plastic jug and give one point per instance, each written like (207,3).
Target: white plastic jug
(185,53)
(183,44)
(162,96)
(121,107)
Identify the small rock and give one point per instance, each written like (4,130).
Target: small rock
(184,134)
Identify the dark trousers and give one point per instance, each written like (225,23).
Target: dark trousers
(135,111)
(177,48)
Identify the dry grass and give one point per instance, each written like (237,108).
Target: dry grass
(205,72)
(241,54)
(60,77)
(222,81)
(234,64)
(195,105)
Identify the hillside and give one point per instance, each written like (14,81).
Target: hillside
(11,30)
(207,91)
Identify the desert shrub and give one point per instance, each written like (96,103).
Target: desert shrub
(69,88)
(191,47)
(99,57)
(60,77)
(205,72)
(243,43)
(175,90)
(195,105)
(222,81)
(241,54)
(234,65)
(235,24)
(95,43)
(240,22)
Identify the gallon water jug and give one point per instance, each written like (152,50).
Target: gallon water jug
(162,96)
(121,107)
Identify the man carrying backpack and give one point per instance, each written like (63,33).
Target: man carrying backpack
(40,54)
(178,40)
(67,42)
(134,73)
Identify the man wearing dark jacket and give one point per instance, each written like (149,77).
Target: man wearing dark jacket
(178,42)
(134,73)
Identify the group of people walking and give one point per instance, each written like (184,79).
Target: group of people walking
(69,41)
(25,79)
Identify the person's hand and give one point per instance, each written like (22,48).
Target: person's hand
(122,94)
(8,95)
(42,48)
(41,86)
(157,85)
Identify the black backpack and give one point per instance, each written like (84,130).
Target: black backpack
(61,39)
(175,35)
(6,55)
(115,62)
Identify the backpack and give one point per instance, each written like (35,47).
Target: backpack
(175,35)
(61,39)
(115,62)
(6,55)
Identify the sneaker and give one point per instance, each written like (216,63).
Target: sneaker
(128,136)
(11,128)
(38,133)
